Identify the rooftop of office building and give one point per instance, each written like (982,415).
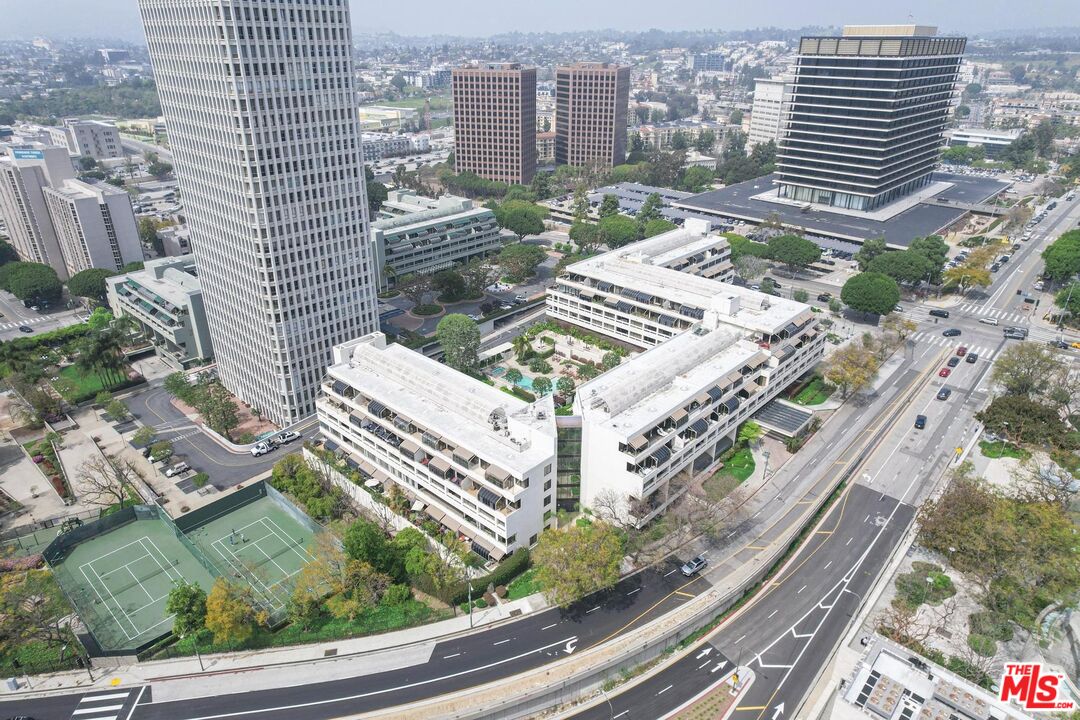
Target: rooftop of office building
(173,279)
(631,396)
(466,412)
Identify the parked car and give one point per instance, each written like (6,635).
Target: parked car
(988,321)
(520,298)
(476,317)
(961,351)
(920,422)
(824,297)
(944,393)
(26,329)
(953,361)
(178,469)
(288,436)
(995,267)
(937,312)
(944,372)
(1060,344)
(951,332)
(693,565)
(261,449)
(972,358)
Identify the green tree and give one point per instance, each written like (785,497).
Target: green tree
(31,281)
(705,141)
(903,266)
(1025,368)
(187,604)
(611,360)
(148,235)
(230,612)
(650,209)
(580,204)
(750,432)
(578,561)
(609,206)
(735,117)
(398,81)
(695,179)
(90,283)
(143,436)
(1062,257)
(870,292)
(657,227)
(376,191)
(935,250)
(521,217)
(519,261)
(459,337)
(870,249)
(1068,298)
(585,235)
(541,384)
(513,375)
(1024,420)
(794,251)
(450,284)
(616,231)
(565,386)
(366,542)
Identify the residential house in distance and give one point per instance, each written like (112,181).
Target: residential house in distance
(431,235)
(165,299)
(478,461)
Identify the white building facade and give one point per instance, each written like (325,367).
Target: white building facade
(25,173)
(259,97)
(165,299)
(771,98)
(478,461)
(94,225)
(718,354)
(93,138)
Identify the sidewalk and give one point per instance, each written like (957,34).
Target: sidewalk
(183,678)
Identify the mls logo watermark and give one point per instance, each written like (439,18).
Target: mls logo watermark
(1035,689)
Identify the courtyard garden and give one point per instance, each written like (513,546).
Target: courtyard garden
(552,358)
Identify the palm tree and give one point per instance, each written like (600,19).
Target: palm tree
(521,346)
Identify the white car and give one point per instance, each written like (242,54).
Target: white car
(261,449)
(178,469)
(288,436)
(988,321)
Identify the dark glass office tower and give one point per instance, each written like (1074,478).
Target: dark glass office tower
(867,115)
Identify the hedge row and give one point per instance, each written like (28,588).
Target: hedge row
(506,571)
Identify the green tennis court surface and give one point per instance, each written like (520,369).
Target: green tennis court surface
(260,544)
(119,581)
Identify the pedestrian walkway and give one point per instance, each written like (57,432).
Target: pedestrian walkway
(102,706)
(28,321)
(985,352)
(1003,316)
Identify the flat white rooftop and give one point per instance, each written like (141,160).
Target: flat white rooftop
(629,398)
(445,401)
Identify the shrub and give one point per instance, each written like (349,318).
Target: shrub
(992,625)
(540,365)
(143,436)
(200,479)
(506,571)
(10,564)
(396,595)
(103,398)
(982,645)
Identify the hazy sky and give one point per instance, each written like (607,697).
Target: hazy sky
(120,18)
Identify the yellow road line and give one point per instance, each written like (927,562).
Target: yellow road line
(679,592)
(755,547)
(647,611)
(749,707)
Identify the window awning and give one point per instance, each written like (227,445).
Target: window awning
(638,441)
(435,513)
(497,473)
(688,311)
(662,454)
(331,446)
(372,482)
(733,377)
(368,468)
(487,497)
(786,352)
(439,465)
(352,462)
(623,306)
(587,293)
(357,420)
(418,505)
(376,408)
(715,393)
(699,426)
(408,447)
(702,398)
(678,416)
(379,475)
(339,387)
(731,404)
(666,320)
(604,286)
(791,329)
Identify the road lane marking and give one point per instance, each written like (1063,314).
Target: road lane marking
(703,664)
(668,573)
(800,589)
(501,642)
(827,565)
(684,594)
(548,627)
(447,657)
(665,690)
(634,591)
(848,541)
(615,717)
(754,547)
(739,640)
(593,610)
(771,614)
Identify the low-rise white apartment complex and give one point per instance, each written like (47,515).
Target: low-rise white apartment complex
(425,235)
(476,460)
(719,353)
(165,299)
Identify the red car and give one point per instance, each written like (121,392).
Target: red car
(961,351)
(944,372)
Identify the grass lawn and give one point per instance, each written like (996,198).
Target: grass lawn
(998,449)
(817,392)
(86,384)
(729,477)
(524,585)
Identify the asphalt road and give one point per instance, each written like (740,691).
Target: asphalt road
(13,314)
(153,406)
(459,663)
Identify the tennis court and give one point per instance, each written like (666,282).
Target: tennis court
(261,544)
(119,581)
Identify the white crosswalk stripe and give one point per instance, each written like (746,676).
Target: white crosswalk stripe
(28,321)
(984,352)
(101,706)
